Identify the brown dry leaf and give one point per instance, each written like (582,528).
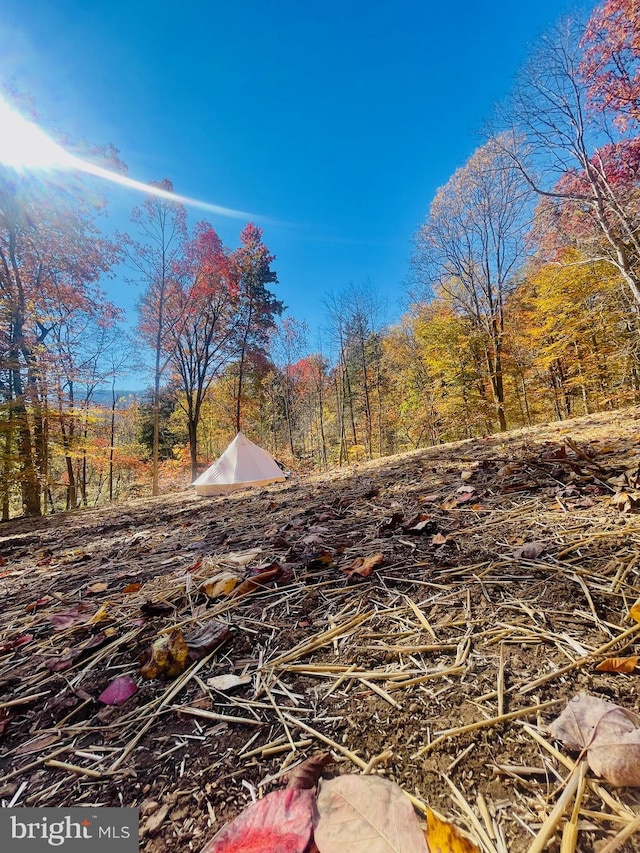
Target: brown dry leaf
(221,584)
(363,566)
(366,813)
(99,586)
(444,837)
(619,664)
(132,587)
(529,551)
(36,744)
(256,582)
(306,775)
(439,539)
(207,638)
(167,658)
(609,733)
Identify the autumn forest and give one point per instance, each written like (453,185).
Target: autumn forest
(523,301)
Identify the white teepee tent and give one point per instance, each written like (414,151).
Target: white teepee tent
(242,464)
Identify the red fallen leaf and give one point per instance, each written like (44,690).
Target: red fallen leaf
(363,566)
(132,587)
(305,775)
(39,603)
(195,566)
(15,644)
(282,821)
(120,689)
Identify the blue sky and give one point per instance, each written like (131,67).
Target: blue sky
(335,121)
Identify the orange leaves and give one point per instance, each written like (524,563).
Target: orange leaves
(363,566)
(619,664)
(444,837)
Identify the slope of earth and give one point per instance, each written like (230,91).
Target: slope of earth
(423,616)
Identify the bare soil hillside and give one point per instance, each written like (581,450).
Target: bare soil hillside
(424,617)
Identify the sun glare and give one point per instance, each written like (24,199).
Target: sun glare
(25,147)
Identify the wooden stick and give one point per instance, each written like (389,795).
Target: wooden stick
(549,826)
(212,715)
(73,768)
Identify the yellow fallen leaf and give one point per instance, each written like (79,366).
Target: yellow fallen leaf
(443,837)
(619,664)
(221,584)
(100,615)
(168,657)
(634,612)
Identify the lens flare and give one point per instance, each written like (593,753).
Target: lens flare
(25,147)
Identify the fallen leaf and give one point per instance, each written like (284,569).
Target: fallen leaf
(358,813)
(64,619)
(100,615)
(167,658)
(281,822)
(36,744)
(243,558)
(121,688)
(257,582)
(306,774)
(207,638)
(609,733)
(156,608)
(99,586)
(619,664)
(420,524)
(221,584)
(228,681)
(444,837)
(439,539)
(529,551)
(11,645)
(634,612)
(132,587)
(71,654)
(363,566)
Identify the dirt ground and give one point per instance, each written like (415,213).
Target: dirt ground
(502,572)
